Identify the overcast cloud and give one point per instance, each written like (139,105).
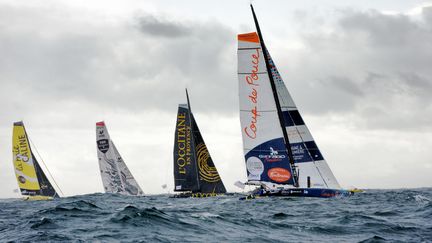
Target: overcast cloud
(362,80)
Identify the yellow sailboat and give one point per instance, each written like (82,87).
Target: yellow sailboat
(32,181)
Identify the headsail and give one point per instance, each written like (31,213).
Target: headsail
(307,155)
(194,169)
(209,179)
(31,179)
(116,177)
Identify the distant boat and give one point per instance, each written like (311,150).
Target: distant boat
(281,155)
(116,177)
(195,174)
(32,181)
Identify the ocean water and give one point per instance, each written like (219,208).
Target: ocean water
(373,216)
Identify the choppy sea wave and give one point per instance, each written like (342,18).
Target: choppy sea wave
(373,216)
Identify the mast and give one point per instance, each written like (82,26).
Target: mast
(276,98)
(192,139)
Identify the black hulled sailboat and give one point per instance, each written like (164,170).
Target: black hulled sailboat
(195,174)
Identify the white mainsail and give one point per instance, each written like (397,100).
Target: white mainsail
(116,177)
(263,143)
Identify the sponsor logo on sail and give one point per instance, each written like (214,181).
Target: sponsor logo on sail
(252,80)
(279,174)
(254,165)
(183,144)
(274,156)
(22,153)
(207,173)
(101,133)
(22,179)
(103,145)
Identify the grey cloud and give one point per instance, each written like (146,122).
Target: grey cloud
(55,60)
(164,28)
(346,85)
(372,63)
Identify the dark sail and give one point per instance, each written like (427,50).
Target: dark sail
(209,179)
(46,189)
(185,170)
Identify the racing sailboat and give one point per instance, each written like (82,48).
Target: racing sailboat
(116,177)
(195,174)
(281,155)
(32,181)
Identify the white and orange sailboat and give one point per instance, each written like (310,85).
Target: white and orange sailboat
(281,155)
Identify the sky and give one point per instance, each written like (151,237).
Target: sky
(359,72)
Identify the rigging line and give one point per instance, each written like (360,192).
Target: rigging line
(307,149)
(46,167)
(280,91)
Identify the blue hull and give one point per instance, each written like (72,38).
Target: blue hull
(302,192)
(314,192)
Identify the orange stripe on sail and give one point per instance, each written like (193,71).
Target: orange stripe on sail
(249,37)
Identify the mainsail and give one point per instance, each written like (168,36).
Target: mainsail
(116,177)
(277,144)
(31,179)
(194,169)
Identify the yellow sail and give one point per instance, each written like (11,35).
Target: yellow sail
(23,160)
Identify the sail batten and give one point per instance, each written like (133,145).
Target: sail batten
(116,176)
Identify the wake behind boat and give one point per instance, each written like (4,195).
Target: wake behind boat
(281,156)
(32,181)
(195,174)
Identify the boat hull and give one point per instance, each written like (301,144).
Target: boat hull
(302,192)
(314,192)
(198,195)
(37,198)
